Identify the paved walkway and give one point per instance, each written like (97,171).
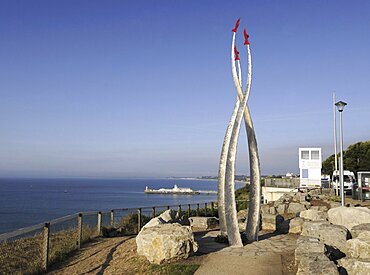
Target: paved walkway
(273,254)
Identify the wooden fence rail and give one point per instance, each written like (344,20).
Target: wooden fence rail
(76,222)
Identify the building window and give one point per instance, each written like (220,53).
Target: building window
(305,154)
(315,154)
(304,173)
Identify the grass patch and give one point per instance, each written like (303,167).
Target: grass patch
(334,198)
(64,242)
(24,256)
(21,256)
(174,269)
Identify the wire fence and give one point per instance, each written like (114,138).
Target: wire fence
(34,248)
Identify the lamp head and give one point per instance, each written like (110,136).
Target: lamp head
(340,105)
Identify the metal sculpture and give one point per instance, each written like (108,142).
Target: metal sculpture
(226,189)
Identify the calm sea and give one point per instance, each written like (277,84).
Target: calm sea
(25,202)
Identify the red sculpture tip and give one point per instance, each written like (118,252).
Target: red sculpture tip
(236,54)
(236,25)
(246,36)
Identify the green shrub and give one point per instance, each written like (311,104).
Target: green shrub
(129,224)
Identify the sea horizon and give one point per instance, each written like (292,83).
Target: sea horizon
(29,201)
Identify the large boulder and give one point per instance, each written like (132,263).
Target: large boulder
(272,210)
(357,229)
(314,215)
(306,246)
(295,225)
(300,197)
(295,207)
(287,197)
(166,242)
(243,215)
(320,208)
(203,223)
(242,226)
(359,247)
(278,202)
(271,222)
(330,234)
(242,219)
(265,208)
(281,208)
(168,216)
(316,263)
(334,204)
(349,216)
(355,266)
(306,204)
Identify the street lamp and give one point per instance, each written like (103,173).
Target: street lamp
(340,106)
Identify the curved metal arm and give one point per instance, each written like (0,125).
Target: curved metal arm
(240,74)
(255,187)
(222,171)
(254,164)
(230,205)
(237,83)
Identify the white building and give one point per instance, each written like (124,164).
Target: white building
(310,163)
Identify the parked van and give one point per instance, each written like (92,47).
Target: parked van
(348,180)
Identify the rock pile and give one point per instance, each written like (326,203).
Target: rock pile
(357,260)
(288,213)
(334,239)
(203,223)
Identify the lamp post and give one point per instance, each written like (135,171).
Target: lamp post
(340,106)
(335,147)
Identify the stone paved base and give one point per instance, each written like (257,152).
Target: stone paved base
(262,257)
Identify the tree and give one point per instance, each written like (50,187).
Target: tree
(356,158)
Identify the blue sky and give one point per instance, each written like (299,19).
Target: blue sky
(144,88)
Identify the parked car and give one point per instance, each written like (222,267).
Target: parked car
(348,180)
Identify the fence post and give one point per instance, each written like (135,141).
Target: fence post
(168,207)
(138,220)
(112,218)
(153,212)
(197,209)
(99,223)
(189,210)
(179,210)
(79,232)
(45,246)
(205,209)
(213,208)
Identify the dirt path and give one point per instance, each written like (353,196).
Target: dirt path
(93,258)
(114,256)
